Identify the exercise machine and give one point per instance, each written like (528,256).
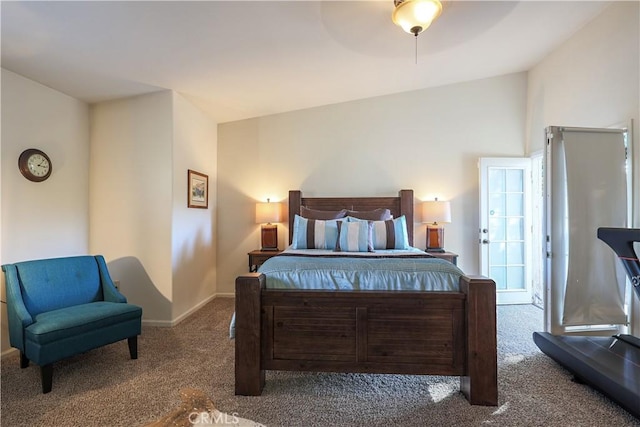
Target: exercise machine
(608,364)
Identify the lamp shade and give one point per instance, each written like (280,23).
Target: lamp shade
(436,211)
(267,212)
(415,16)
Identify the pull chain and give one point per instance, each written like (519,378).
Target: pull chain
(416,37)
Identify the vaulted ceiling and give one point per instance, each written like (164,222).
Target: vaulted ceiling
(242,59)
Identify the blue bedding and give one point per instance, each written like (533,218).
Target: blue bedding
(394,270)
(379,271)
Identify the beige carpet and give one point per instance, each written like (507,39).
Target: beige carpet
(106,388)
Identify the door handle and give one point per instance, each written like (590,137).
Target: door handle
(485,241)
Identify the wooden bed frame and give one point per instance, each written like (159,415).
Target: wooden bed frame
(431,333)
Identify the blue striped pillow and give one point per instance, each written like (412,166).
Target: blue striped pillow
(354,236)
(314,234)
(391,234)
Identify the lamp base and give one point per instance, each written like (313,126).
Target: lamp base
(435,239)
(269,237)
(435,250)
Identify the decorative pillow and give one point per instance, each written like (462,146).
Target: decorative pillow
(354,236)
(318,214)
(314,233)
(380,214)
(391,234)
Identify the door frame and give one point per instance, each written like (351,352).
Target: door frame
(506,296)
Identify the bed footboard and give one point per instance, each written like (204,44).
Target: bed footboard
(434,333)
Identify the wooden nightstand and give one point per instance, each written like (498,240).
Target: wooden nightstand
(257,258)
(449,256)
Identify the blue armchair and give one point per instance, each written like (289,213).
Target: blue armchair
(61,307)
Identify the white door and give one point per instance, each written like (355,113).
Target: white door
(505,227)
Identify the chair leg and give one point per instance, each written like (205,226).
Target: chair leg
(133,346)
(46,372)
(24,361)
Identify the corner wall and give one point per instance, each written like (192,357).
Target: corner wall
(131,197)
(193,232)
(161,252)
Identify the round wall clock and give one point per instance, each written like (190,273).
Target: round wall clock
(35,165)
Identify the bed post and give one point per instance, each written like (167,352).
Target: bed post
(480,382)
(248,370)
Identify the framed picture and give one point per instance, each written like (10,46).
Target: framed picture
(198,191)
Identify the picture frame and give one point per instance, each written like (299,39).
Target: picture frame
(198,190)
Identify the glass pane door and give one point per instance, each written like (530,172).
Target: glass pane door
(505,229)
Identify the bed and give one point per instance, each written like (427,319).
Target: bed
(450,333)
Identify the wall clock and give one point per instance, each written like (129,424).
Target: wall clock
(35,165)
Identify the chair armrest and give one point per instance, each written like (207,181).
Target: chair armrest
(17,313)
(109,291)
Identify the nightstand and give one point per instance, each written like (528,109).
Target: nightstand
(257,258)
(449,256)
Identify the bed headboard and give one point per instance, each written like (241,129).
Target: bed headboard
(400,205)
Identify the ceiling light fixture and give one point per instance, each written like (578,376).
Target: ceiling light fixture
(415,16)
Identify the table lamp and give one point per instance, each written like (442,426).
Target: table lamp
(266,214)
(435,213)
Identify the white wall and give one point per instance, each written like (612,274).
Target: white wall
(162,252)
(427,140)
(132,197)
(592,80)
(193,233)
(50,218)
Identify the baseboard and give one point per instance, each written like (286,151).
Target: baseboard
(193,310)
(174,322)
(8,353)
